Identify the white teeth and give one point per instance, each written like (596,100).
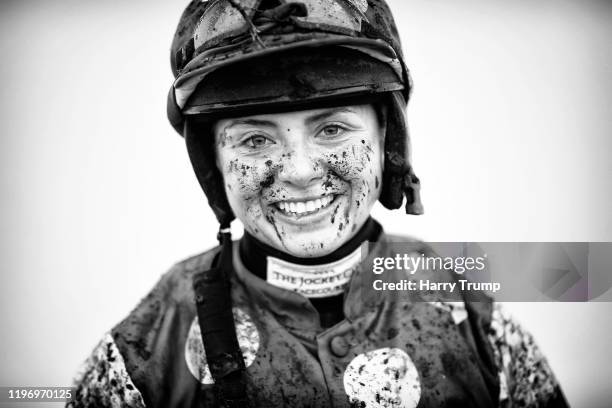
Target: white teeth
(302,207)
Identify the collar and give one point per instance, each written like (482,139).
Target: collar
(313,281)
(287,271)
(295,310)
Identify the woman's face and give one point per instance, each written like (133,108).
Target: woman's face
(302,182)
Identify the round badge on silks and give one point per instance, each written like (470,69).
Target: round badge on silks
(195,357)
(383,378)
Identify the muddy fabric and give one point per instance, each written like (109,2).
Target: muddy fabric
(526,380)
(105,381)
(390,350)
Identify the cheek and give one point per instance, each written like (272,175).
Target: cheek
(244,180)
(246,177)
(359,163)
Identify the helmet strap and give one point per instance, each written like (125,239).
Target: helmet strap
(216,320)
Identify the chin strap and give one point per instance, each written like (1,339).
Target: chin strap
(411,187)
(215,317)
(399,179)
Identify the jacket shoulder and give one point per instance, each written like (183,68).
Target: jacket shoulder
(156,329)
(173,290)
(525,376)
(103,380)
(175,286)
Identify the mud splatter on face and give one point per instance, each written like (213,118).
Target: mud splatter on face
(267,182)
(303,182)
(223,138)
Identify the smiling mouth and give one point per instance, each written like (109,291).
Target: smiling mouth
(305,207)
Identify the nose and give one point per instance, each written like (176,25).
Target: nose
(300,167)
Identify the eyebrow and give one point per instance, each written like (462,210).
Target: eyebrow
(317,117)
(252,122)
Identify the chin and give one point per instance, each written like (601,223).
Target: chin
(311,249)
(314,245)
(314,235)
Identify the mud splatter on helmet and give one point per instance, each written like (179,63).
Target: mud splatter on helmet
(233,57)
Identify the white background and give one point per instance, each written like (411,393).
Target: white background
(510,119)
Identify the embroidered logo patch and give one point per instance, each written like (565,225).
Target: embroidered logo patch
(313,281)
(248,339)
(385,377)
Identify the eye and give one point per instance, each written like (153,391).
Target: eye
(332,130)
(257,141)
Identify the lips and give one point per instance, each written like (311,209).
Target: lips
(304,207)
